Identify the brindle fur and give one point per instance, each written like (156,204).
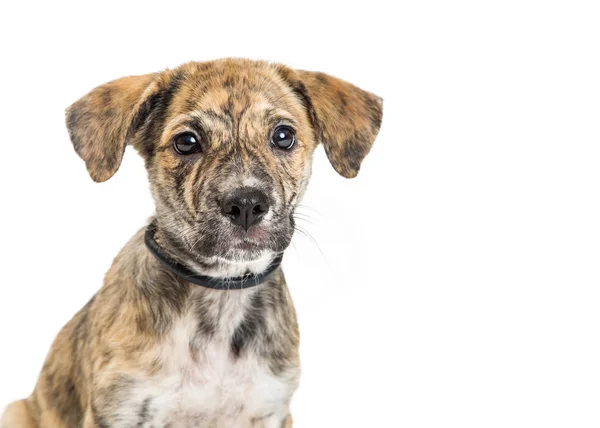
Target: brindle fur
(128,330)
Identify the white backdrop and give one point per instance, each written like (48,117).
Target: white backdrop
(457,280)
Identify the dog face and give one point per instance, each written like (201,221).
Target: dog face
(228,146)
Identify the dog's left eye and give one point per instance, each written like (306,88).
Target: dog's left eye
(186,143)
(283,137)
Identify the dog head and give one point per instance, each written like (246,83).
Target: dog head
(228,146)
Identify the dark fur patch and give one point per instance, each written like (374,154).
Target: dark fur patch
(151,116)
(302,93)
(99,419)
(171,292)
(251,326)
(143,415)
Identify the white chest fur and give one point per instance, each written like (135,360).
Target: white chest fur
(207,388)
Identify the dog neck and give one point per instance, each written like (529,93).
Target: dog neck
(217,273)
(169,297)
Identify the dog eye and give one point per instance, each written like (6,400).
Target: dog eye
(283,137)
(186,143)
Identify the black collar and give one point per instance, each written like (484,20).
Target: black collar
(233,283)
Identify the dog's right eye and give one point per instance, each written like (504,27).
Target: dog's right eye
(186,143)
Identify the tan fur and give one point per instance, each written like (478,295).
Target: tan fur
(146,326)
(18,415)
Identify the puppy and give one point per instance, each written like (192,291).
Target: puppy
(194,326)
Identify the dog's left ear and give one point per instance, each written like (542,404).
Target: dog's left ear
(101,123)
(347,119)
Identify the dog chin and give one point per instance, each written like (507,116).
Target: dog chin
(240,262)
(243,253)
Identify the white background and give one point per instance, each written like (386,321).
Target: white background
(457,281)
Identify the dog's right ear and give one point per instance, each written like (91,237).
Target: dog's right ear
(101,123)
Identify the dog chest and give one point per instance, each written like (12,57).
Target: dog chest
(207,388)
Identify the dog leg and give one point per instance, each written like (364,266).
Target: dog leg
(288,422)
(17,415)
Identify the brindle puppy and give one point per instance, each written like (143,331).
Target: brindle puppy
(228,147)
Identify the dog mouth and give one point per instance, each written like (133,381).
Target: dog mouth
(254,243)
(214,238)
(255,240)
(258,235)
(247,245)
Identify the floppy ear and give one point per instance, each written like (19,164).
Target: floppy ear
(347,118)
(101,123)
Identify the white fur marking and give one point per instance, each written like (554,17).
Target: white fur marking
(216,390)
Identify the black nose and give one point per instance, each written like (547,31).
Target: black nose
(246,207)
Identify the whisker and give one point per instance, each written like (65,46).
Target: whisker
(312,239)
